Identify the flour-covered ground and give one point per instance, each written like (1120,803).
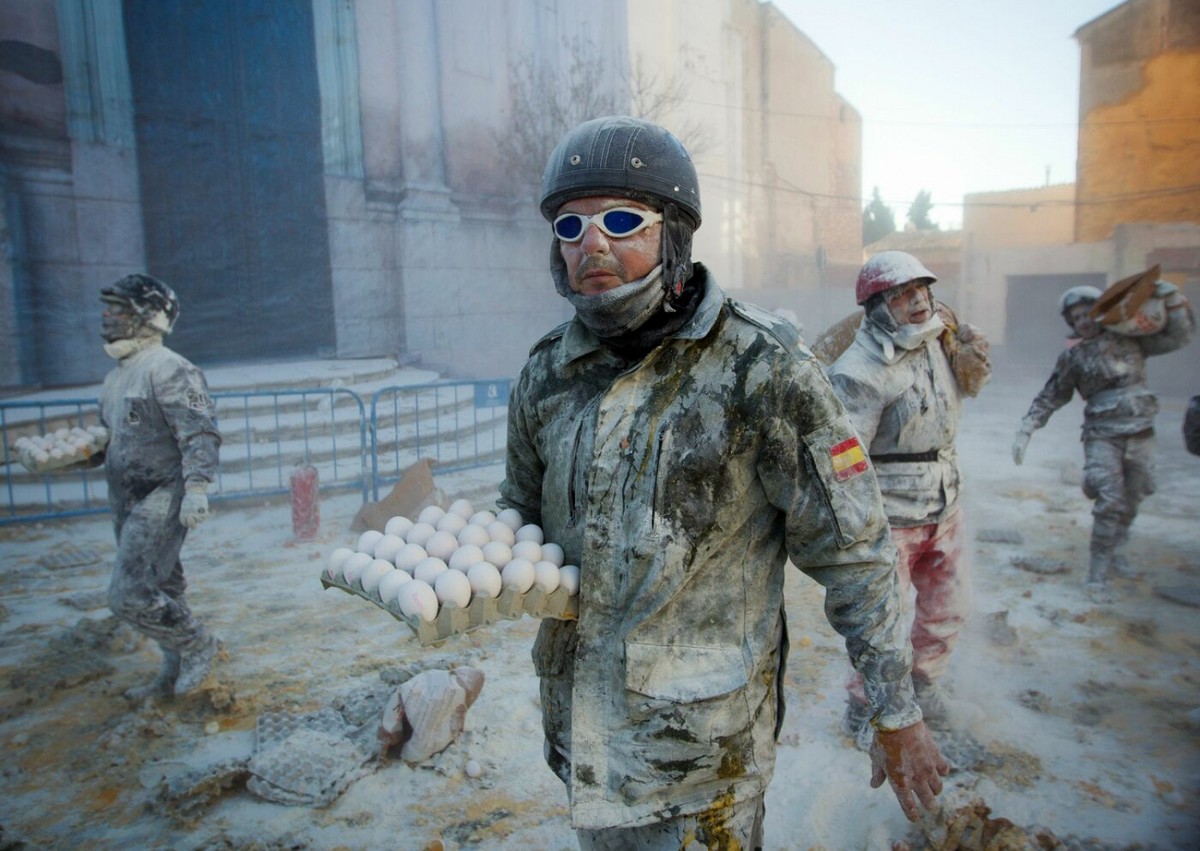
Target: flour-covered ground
(1078,720)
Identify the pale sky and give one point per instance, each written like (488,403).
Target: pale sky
(956,96)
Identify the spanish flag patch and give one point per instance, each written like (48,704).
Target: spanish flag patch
(848,459)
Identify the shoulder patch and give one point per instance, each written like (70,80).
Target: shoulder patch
(848,459)
(550,337)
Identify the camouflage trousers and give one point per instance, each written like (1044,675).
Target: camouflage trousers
(735,827)
(1118,473)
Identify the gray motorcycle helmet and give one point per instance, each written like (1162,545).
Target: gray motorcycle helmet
(620,155)
(628,157)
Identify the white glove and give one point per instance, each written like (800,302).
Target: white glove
(194,509)
(1018,448)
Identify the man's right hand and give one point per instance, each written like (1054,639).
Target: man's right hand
(1018,448)
(909,759)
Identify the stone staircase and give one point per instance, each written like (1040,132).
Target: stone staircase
(274,417)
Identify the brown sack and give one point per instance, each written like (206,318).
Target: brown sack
(413,492)
(1123,299)
(836,338)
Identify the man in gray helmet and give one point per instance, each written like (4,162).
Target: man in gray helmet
(1109,371)
(160,459)
(682,446)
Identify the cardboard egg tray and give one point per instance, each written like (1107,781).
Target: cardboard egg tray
(454,620)
(69,459)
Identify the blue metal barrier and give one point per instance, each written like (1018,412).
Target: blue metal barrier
(456,424)
(267,433)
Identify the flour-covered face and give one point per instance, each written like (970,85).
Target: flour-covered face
(1079,319)
(118,322)
(597,262)
(911,303)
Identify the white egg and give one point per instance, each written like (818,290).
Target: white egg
(420,533)
(472,534)
(530,532)
(473,769)
(464,557)
(553,552)
(568,577)
(442,545)
(336,559)
(485,579)
(60,433)
(56,453)
(545,576)
(498,530)
(530,550)
(417,598)
(353,567)
(388,546)
(398,526)
(519,574)
(409,557)
(431,514)
(482,518)
(453,588)
(367,541)
(429,570)
(451,523)
(497,552)
(391,583)
(511,518)
(462,507)
(374,572)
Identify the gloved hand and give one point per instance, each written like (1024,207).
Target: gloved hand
(194,509)
(909,759)
(1018,448)
(1165,289)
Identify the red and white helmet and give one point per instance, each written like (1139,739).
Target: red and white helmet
(889,269)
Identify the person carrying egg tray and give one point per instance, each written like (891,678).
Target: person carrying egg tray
(160,459)
(1108,369)
(902,381)
(681,446)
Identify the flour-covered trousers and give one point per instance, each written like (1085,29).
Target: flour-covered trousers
(1118,473)
(147,584)
(729,826)
(931,560)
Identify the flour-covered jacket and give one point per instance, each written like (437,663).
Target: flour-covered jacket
(1109,371)
(162,425)
(681,484)
(906,406)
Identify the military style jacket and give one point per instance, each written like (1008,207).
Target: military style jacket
(906,409)
(681,484)
(161,422)
(1109,371)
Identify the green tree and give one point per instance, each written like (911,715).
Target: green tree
(918,213)
(878,219)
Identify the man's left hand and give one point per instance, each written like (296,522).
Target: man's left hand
(194,509)
(910,760)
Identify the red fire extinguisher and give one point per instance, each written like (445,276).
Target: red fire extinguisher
(306,503)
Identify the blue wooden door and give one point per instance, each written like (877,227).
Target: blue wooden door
(230,163)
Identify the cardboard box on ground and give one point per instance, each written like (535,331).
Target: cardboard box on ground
(415,491)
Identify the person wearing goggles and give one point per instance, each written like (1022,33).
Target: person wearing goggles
(681,445)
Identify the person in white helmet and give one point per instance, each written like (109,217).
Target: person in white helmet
(900,384)
(1108,370)
(161,457)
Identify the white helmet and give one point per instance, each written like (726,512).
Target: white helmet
(1077,295)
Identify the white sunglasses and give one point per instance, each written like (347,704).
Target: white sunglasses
(617,222)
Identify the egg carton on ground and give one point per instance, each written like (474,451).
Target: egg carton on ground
(454,620)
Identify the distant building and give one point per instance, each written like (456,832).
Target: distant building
(329,178)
